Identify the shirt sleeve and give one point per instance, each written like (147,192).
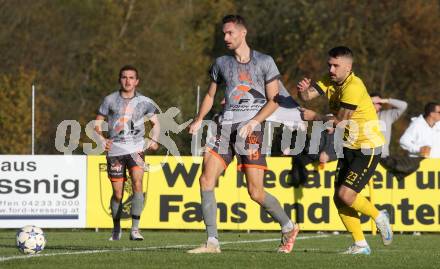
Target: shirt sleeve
(398,107)
(322,85)
(409,140)
(150,109)
(104,108)
(351,97)
(214,73)
(271,73)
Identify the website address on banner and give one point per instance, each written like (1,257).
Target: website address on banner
(27,211)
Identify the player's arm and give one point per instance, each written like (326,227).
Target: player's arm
(155,132)
(306,90)
(398,107)
(205,107)
(411,139)
(350,98)
(271,105)
(343,114)
(98,128)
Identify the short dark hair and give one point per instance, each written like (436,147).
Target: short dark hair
(375,94)
(235,18)
(340,51)
(128,68)
(429,108)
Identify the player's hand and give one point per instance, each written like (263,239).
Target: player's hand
(323,157)
(376,100)
(330,130)
(425,151)
(194,126)
(248,128)
(152,145)
(307,114)
(303,85)
(108,144)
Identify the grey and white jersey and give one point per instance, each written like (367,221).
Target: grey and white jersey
(245,83)
(125,117)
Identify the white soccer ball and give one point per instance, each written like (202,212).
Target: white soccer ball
(31,240)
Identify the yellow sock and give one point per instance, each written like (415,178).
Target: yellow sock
(352,222)
(364,206)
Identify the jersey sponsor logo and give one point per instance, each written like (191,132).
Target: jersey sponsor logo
(124,125)
(255,101)
(244,95)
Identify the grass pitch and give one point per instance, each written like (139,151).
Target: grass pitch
(166,249)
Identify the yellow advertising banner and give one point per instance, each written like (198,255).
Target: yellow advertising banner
(173,197)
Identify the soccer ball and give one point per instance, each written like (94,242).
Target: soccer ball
(30,240)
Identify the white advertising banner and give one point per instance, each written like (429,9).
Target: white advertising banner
(48,191)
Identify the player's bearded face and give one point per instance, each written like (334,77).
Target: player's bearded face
(234,35)
(128,80)
(339,68)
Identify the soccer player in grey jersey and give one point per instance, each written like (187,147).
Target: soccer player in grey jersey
(251,80)
(125,111)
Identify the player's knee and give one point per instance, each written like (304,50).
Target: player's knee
(338,202)
(346,197)
(137,187)
(257,196)
(117,197)
(206,183)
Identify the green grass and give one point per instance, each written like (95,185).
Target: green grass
(161,250)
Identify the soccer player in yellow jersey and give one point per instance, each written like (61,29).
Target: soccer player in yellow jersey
(353,109)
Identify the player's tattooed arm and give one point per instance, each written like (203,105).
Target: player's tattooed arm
(342,115)
(306,91)
(205,107)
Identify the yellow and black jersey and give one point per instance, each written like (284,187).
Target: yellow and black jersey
(363,129)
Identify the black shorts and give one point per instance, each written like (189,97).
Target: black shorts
(356,168)
(117,165)
(228,143)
